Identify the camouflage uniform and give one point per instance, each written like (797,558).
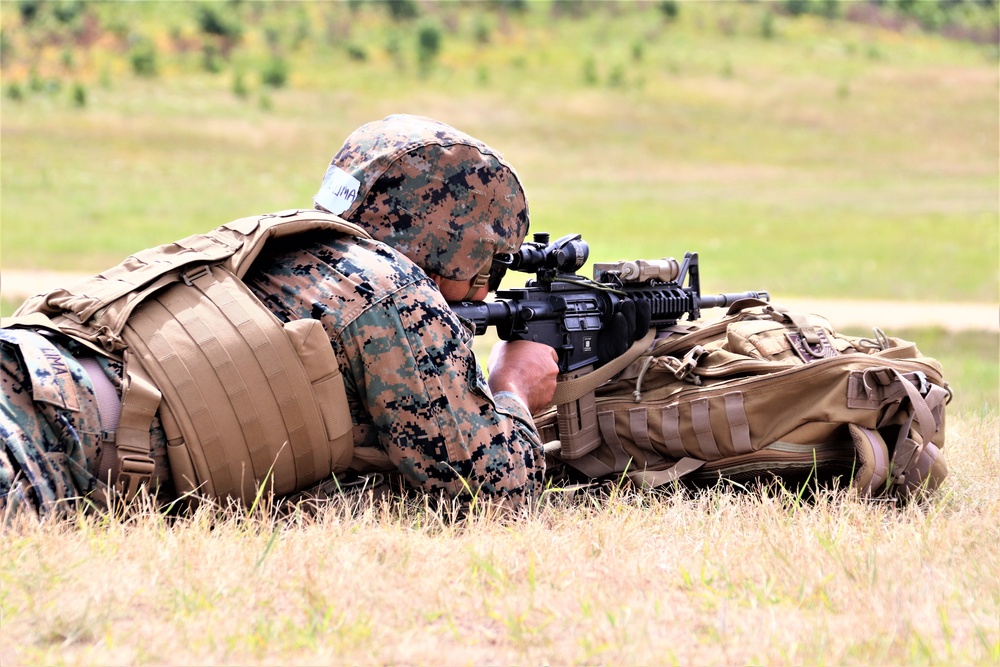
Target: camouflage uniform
(443,203)
(50,424)
(415,389)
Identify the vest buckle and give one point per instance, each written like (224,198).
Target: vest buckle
(189,277)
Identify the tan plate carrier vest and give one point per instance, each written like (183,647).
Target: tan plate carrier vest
(246,402)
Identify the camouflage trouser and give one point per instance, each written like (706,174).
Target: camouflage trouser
(49,424)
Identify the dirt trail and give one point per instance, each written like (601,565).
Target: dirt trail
(18,285)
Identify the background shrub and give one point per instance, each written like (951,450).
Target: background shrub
(142,57)
(428,45)
(274,73)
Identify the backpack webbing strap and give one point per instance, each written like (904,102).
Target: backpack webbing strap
(571,390)
(638,426)
(650,479)
(739,424)
(891,390)
(591,466)
(701,422)
(606,422)
(140,400)
(671,420)
(923,419)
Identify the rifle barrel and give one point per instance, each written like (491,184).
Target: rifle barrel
(723,300)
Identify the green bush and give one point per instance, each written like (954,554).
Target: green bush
(68,11)
(638,50)
(513,6)
(356,52)
(428,44)
(35,82)
(214,19)
(79,95)
(6,46)
(572,8)
(767,25)
(829,8)
(142,57)
(402,10)
(272,35)
(670,9)
(14,91)
(797,7)
(29,10)
(482,32)
(275,72)
(239,86)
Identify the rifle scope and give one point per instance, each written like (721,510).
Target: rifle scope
(565,255)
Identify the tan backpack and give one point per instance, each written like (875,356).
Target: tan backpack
(242,398)
(760,394)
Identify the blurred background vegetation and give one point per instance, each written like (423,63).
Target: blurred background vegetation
(814,148)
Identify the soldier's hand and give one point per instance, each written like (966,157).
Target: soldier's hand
(525,368)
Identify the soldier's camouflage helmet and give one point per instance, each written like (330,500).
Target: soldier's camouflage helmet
(444,199)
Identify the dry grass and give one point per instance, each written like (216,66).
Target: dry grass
(715,578)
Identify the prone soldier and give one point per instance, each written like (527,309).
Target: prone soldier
(437,206)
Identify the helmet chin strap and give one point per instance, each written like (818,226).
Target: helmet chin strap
(479,282)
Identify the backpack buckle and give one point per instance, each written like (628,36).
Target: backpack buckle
(685,369)
(189,277)
(133,472)
(924,387)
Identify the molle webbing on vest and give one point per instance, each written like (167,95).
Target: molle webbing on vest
(236,387)
(244,398)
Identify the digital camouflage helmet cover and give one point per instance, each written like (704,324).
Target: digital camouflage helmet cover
(444,199)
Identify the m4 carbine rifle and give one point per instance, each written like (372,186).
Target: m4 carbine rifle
(590,321)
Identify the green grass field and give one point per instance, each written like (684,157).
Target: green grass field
(833,159)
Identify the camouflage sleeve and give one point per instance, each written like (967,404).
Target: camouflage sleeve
(49,426)
(414,368)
